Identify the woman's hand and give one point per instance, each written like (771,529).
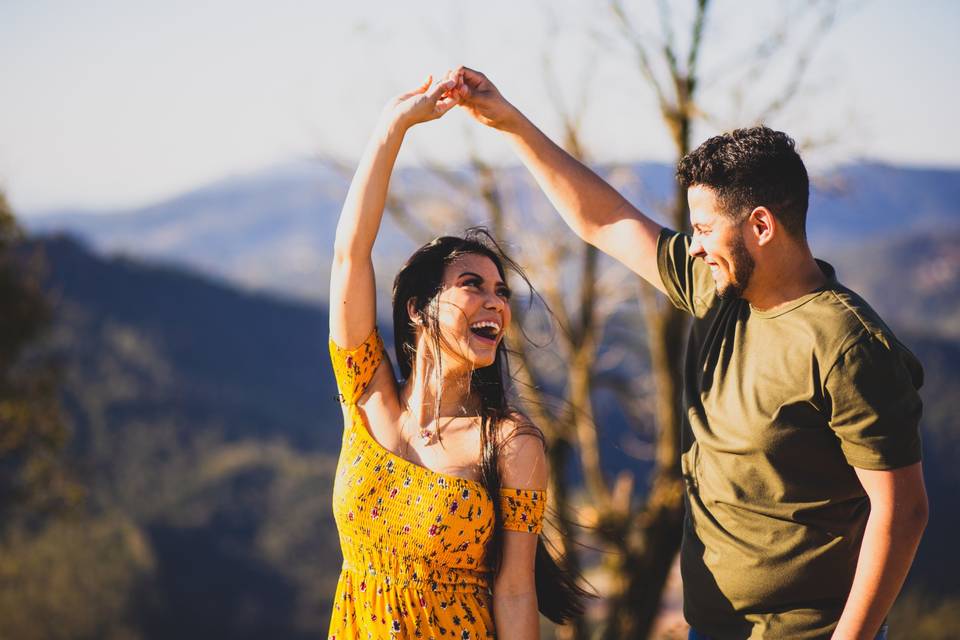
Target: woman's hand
(480,97)
(352,298)
(423,103)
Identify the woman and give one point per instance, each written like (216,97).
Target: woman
(439,492)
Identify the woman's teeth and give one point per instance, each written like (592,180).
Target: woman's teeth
(486,329)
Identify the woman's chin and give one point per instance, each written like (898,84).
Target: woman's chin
(484,362)
(474,353)
(478,359)
(470,359)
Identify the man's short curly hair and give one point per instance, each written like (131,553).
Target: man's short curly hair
(749,168)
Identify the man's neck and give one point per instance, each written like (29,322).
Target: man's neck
(784,282)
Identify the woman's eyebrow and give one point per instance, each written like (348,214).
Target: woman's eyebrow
(480,277)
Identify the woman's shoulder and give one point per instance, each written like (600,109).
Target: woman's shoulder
(516,424)
(523,461)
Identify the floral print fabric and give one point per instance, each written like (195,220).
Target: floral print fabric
(413,540)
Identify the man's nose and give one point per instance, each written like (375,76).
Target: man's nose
(696,247)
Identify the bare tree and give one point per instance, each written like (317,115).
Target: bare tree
(638,536)
(648,537)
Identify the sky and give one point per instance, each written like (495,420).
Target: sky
(114,104)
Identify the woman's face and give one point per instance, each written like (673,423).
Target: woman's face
(473,309)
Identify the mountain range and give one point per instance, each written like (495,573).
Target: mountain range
(273,230)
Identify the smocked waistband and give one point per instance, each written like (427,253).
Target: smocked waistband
(413,573)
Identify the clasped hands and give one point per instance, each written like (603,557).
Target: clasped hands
(464,87)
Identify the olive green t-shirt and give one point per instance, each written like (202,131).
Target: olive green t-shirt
(779,407)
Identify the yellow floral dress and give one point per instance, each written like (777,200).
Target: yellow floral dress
(413,540)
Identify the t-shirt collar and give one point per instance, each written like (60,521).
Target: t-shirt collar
(828,271)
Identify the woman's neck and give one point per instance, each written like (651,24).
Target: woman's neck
(429,396)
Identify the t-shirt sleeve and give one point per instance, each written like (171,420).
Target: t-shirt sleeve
(686,279)
(874,404)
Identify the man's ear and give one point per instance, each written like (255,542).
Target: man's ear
(763,225)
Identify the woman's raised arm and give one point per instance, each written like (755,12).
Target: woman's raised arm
(353,309)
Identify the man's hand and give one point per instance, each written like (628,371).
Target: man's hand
(481,98)
(592,208)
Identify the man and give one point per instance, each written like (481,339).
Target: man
(805,500)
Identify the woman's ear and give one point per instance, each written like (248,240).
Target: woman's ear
(415,316)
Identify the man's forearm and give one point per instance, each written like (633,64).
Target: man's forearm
(589,206)
(593,209)
(890,541)
(584,200)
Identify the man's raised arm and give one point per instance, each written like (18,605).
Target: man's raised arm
(592,208)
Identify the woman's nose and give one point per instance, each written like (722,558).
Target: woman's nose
(495,302)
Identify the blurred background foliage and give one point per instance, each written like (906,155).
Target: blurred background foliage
(150,491)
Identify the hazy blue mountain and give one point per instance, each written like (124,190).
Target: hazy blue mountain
(911,277)
(866,202)
(261,361)
(937,566)
(268,231)
(274,230)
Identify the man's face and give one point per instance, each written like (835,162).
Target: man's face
(718,240)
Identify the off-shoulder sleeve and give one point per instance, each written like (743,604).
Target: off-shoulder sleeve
(354,368)
(523,509)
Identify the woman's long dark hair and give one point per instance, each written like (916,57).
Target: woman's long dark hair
(559,595)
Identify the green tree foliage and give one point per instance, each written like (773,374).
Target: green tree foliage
(32,431)
(925,616)
(78,576)
(202,429)
(65,571)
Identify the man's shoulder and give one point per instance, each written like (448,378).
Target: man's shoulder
(851,318)
(848,322)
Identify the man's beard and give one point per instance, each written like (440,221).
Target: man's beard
(741,268)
